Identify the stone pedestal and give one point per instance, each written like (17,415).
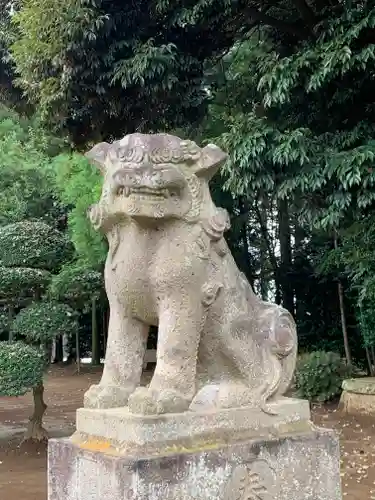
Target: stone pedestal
(238,454)
(358,396)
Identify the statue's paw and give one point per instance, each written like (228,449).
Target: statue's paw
(106,396)
(146,401)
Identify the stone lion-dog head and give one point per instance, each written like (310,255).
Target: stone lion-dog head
(152,178)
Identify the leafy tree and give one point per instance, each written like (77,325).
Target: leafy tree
(42,321)
(22,368)
(23,363)
(77,285)
(26,181)
(101,68)
(353,259)
(81,287)
(33,244)
(78,185)
(29,253)
(10,95)
(20,283)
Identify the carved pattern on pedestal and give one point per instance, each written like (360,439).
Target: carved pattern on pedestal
(245,484)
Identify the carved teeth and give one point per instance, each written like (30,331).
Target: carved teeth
(145,192)
(123,191)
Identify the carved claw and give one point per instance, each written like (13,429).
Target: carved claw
(146,401)
(102,396)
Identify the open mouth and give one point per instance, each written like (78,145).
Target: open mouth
(144,192)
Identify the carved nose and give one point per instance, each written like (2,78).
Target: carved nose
(146,168)
(147,175)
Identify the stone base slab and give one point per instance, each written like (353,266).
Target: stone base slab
(128,433)
(302,466)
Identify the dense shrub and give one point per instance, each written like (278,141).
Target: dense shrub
(77,284)
(21,368)
(319,375)
(21,282)
(33,244)
(44,321)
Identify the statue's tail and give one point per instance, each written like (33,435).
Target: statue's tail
(280,344)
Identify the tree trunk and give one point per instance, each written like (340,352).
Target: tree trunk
(369,362)
(299,235)
(57,355)
(285,256)
(344,327)
(10,319)
(245,211)
(372,355)
(104,325)
(78,354)
(264,278)
(59,349)
(262,218)
(35,430)
(263,272)
(343,323)
(95,338)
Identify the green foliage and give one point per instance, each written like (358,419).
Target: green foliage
(21,368)
(319,375)
(33,244)
(79,186)
(335,53)
(17,283)
(26,179)
(103,68)
(300,123)
(366,321)
(136,65)
(354,261)
(77,285)
(44,321)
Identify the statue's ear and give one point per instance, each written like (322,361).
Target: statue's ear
(98,154)
(211,160)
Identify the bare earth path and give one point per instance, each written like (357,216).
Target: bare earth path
(23,471)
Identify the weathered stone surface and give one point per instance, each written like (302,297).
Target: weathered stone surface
(355,403)
(365,385)
(219,346)
(299,467)
(358,396)
(134,433)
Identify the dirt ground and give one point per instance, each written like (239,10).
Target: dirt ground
(23,470)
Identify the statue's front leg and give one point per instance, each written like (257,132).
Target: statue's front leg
(173,385)
(122,372)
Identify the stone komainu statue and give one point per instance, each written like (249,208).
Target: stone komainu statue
(168,264)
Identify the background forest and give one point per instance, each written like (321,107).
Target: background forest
(286,87)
